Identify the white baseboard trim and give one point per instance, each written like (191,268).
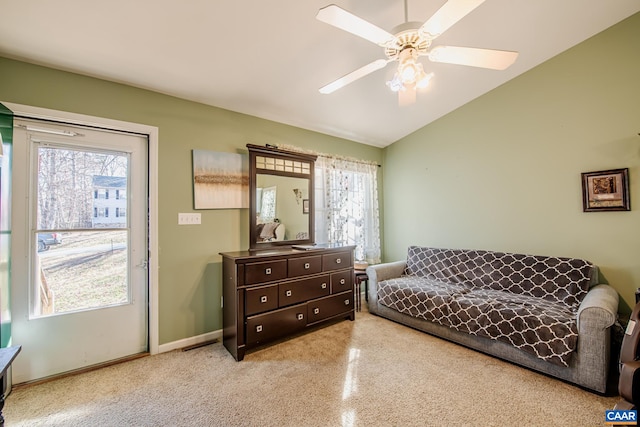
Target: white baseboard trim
(188,342)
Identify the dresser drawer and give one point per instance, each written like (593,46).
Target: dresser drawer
(341,281)
(276,324)
(336,261)
(330,306)
(261,299)
(305,265)
(268,271)
(303,290)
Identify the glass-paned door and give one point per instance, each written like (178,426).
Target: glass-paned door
(85,298)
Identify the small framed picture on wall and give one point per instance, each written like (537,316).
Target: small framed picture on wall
(606,190)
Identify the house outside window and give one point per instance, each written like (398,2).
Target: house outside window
(109,212)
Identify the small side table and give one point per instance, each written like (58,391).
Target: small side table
(361,277)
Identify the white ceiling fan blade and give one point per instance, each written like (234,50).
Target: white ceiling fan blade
(474,57)
(340,18)
(354,75)
(450,13)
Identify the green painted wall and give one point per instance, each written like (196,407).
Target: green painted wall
(190,267)
(503,172)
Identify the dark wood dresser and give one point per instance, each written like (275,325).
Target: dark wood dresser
(269,295)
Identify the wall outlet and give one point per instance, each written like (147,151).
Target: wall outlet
(189,219)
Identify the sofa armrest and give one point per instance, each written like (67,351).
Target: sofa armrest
(599,309)
(597,313)
(378,273)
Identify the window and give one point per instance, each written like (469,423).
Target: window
(267,205)
(72,263)
(346,204)
(100,212)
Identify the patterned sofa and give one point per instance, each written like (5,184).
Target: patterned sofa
(544,313)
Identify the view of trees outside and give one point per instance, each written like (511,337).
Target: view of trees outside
(89,267)
(65,185)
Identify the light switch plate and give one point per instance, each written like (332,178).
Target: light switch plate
(189,219)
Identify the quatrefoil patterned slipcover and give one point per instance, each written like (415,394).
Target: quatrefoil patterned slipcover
(528,301)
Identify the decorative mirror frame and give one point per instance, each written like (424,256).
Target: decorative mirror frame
(268,161)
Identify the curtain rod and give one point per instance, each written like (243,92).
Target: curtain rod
(319,154)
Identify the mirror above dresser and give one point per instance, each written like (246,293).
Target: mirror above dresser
(280,198)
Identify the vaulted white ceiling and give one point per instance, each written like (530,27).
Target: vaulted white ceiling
(269,58)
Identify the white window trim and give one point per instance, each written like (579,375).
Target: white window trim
(152,131)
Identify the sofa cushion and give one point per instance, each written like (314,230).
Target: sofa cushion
(419,296)
(561,280)
(546,329)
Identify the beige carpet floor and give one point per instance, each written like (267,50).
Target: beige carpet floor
(371,372)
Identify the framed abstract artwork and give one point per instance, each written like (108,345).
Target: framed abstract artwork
(220,180)
(606,190)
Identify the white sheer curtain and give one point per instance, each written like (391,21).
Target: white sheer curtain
(346,205)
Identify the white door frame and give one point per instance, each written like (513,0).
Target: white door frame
(152,131)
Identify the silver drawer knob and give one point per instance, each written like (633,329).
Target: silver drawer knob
(259,328)
(346,302)
(342,281)
(307,266)
(288,293)
(263,299)
(338,261)
(316,311)
(300,316)
(267,271)
(324,286)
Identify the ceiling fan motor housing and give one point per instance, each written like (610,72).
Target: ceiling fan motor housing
(407,35)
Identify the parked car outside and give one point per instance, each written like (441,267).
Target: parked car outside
(47,239)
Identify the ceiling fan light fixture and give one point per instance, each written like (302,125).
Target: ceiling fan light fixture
(409,69)
(395,84)
(409,72)
(424,80)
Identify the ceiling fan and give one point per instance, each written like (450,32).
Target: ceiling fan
(410,41)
